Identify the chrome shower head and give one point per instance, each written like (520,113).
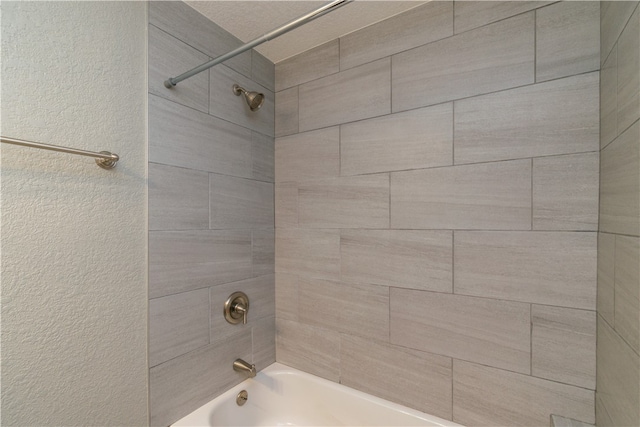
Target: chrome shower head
(254,99)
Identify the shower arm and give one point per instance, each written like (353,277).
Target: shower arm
(172,81)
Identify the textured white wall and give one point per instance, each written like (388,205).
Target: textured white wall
(74,292)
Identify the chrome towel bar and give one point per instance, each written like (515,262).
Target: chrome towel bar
(104,159)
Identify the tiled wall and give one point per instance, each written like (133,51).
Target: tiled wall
(211,213)
(618,360)
(437,208)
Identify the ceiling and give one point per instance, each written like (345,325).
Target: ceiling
(248,20)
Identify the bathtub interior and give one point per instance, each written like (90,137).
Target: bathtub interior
(283,396)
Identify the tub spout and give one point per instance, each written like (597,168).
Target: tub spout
(240,365)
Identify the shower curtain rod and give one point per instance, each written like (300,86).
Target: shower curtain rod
(172,81)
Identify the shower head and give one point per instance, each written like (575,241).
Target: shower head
(254,99)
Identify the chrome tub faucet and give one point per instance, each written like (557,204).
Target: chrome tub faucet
(240,365)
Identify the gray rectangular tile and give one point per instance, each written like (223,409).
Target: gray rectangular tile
(627,290)
(224,104)
(308,155)
(483,196)
(498,56)
(286,204)
(415,27)
(263,251)
(181,385)
(628,75)
(563,345)
(606,268)
(565,192)
(178,324)
(355,309)
(345,202)
(567,39)
(491,332)
(602,416)
(180,261)
(620,184)
(181,136)
(414,139)
(614,15)
(558,421)
(188,25)
(388,371)
(263,157)
(556,117)
(263,71)
(618,377)
(406,259)
(609,99)
(552,268)
(309,65)
(286,111)
(286,296)
(178,198)
(264,343)
(309,253)
(240,203)
(484,396)
(262,305)
(169,57)
(355,94)
(473,14)
(310,349)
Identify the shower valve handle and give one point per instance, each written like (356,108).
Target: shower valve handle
(236,308)
(240,308)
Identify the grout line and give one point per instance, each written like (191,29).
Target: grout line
(297,109)
(175,102)
(615,93)
(216,285)
(389,223)
(339,150)
(453,18)
(531,190)
(478,297)
(209,92)
(462,164)
(454,359)
(209,201)
(453,260)
(531,339)
(618,136)
(617,334)
(505,89)
(210,305)
(454,34)
(390,84)
(253,261)
(389,313)
(463,230)
(453,133)
(339,62)
(613,314)
(535,46)
(211,172)
(452,396)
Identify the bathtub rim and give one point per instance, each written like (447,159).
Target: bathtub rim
(279,369)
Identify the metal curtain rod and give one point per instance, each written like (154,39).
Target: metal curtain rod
(104,159)
(172,81)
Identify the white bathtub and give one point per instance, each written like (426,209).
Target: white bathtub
(283,396)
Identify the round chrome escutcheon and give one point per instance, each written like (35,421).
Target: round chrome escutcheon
(242,397)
